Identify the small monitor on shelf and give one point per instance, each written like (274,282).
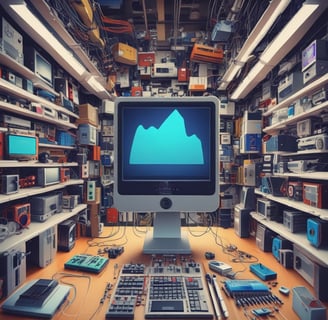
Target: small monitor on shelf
(166,162)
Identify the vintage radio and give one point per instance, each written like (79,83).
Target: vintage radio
(65,174)
(203,53)
(315,194)
(264,237)
(9,183)
(320,96)
(163,70)
(318,142)
(70,201)
(124,53)
(279,243)
(20,213)
(317,232)
(294,220)
(146,59)
(316,70)
(316,275)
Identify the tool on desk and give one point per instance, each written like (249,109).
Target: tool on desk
(210,286)
(220,297)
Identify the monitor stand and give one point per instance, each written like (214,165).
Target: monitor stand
(167,237)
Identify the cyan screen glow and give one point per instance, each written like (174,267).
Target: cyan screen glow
(167,145)
(166,142)
(22,145)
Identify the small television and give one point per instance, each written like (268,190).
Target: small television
(166,161)
(21,147)
(48,176)
(35,61)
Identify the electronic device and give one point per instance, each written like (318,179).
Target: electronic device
(299,166)
(316,70)
(222,30)
(317,232)
(241,221)
(219,267)
(20,213)
(9,183)
(205,53)
(70,201)
(295,220)
(273,185)
(267,208)
(247,197)
(11,41)
(40,298)
(47,246)
(317,50)
(65,174)
(124,53)
(10,121)
(87,134)
(36,62)
(262,271)
(21,147)
(306,306)
(290,84)
(286,258)
(155,172)
(163,70)
(281,142)
(250,143)
(264,237)
(66,235)
(91,190)
(12,268)
(87,262)
(316,275)
(50,112)
(279,243)
(317,142)
(43,207)
(251,173)
(47,176)
(295,190)
(315,194)
(320,95)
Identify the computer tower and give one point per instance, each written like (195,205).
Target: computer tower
(241,221)
(264,237)
(66,235)
(47,246)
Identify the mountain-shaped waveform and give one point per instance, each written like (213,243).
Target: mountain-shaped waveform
(169,144)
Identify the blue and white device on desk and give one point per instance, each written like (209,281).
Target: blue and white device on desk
(166,162)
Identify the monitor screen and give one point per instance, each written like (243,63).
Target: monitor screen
(43,68)
(166,154)
(21,147)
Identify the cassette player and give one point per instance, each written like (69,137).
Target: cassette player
(318,142)
(317,232)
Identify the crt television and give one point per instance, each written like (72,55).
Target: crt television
(21,147)
(166,160)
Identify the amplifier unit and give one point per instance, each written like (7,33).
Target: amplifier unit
(290,84)
(203,53)
(319,68)
(279,243)
(20,213)
(318,142)
(320,96)
(295,221)
(315,195)
(42,207)
(315,274)
(295,190)
(299,166)
(264,237)
(317,232)
(9,183)
(163,70)
(70,201)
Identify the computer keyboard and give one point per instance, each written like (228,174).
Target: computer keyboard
(167,289)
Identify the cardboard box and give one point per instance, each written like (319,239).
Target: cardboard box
(88,114)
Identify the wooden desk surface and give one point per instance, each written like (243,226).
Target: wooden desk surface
(90,287)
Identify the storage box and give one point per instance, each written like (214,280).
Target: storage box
(88,114)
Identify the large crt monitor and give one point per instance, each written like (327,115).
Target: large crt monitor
(166,162)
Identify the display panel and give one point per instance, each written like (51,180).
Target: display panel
(21,147)
(166,154)
(43,68)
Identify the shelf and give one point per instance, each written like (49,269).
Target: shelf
(55,146)
(314,111)
(314,175)
(5,106)
(35,164)
(23,94)
(317,84)
(32,191)
(298,205)
(35,228)
(320,255)
(25,72)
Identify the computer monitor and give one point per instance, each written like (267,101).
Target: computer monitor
(166,162)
